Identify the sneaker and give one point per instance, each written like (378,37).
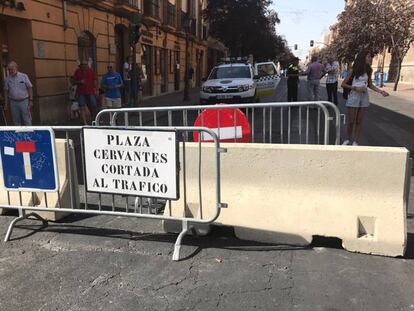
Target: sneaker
(355,143)
(346,142)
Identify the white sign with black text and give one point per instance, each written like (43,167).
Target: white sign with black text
(131,162)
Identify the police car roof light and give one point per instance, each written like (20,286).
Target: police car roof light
(231,60)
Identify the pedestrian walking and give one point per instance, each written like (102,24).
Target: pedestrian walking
(112,83)
(293,80)
(315,72)
(358,82)
(85,78)
(126,73)
(74,105)
(332,68)
(18,95)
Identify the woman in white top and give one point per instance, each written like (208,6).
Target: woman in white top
(358,82)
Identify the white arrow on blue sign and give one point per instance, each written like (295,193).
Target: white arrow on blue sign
(28,159)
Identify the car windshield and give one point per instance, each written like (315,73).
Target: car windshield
(230,72)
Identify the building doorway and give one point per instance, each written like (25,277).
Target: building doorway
(122,46)
(87,49)
(177,71)
(16,44)
(4,59)
(200,66)
(164,70)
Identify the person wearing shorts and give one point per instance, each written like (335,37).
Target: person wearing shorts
(85,78)
(358,82)
(111,83)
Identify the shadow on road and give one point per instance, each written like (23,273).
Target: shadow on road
(409,254)
(219,238)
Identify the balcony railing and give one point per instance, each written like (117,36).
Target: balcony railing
(184,22)
(132,3)
(171,18)
(152,8)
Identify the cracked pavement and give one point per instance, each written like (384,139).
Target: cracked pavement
(115,263)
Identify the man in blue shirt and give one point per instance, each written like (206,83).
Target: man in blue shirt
(111,84)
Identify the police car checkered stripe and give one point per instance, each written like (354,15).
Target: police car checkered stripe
(266,78)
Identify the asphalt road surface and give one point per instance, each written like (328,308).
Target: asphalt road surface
(114,263)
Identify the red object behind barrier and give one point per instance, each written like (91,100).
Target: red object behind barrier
(234,126)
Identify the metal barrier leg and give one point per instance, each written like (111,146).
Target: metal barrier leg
(22,215)
(177,246)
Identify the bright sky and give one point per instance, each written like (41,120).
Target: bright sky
(305,20)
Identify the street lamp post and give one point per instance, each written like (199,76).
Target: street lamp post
(187,24)
(134,35)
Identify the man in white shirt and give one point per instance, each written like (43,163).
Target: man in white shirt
(332,68)
(18,95)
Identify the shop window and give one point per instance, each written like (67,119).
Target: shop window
(87,49)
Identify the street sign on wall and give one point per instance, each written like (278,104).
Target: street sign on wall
(131,162)
(28,159)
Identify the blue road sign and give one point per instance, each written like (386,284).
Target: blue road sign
(28,159)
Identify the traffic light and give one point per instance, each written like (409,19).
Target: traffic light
(295,47)
(312,43)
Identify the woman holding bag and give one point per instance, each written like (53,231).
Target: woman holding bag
(358,82)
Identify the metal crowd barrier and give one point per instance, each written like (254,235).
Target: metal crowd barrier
(123,205)
(278,122)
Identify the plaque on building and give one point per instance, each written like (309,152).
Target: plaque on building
(112,49)
(40,46)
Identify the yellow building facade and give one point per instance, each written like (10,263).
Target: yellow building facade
(48,39)
(383,60)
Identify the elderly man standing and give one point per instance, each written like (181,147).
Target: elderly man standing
(314,72)
(18,95)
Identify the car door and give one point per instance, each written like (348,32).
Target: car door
(268,78)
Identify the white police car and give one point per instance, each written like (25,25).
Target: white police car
(230,83)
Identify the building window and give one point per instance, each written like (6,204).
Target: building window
(152,8)
(192,8)
(87,49)
(171,15)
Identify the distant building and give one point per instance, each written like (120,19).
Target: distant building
(48,39)
(407,68)
(383,60)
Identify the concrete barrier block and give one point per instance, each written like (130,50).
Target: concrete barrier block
(27,198)
(288,193)
(64,186)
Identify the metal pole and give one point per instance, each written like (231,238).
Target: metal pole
(134,36)
(186,82)
(134,78)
